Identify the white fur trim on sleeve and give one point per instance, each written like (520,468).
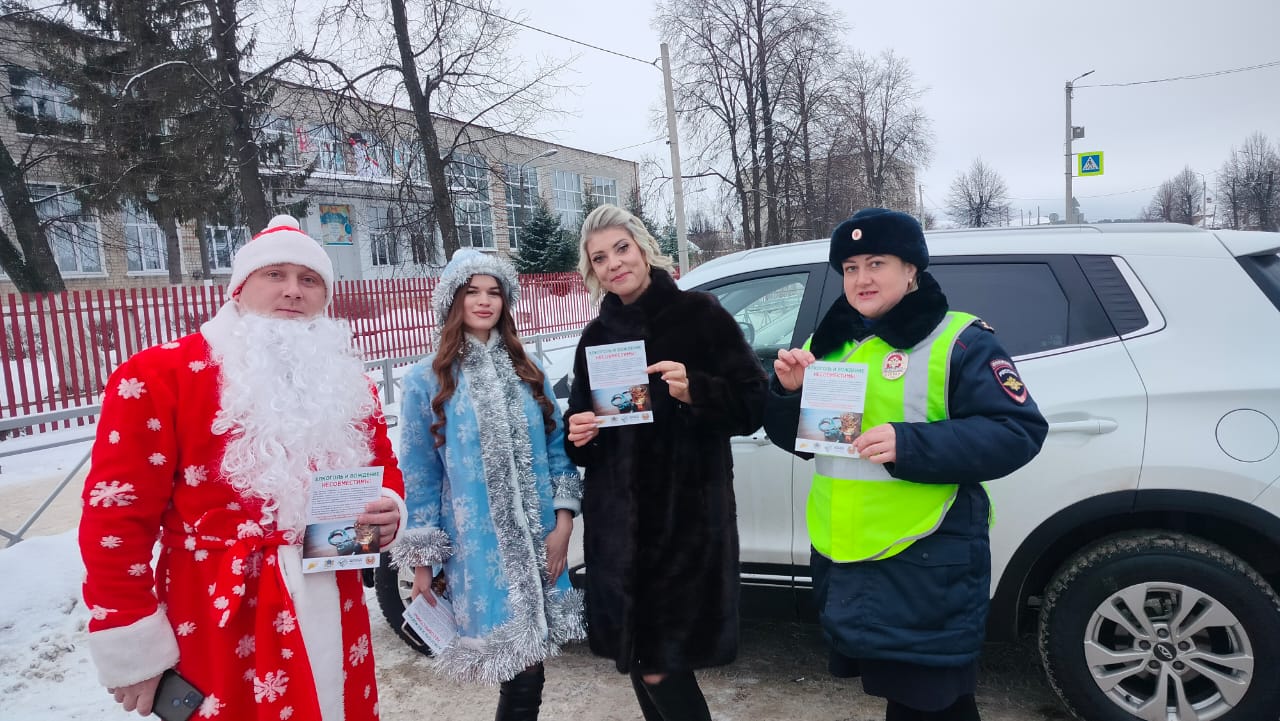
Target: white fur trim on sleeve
(404,516)
(567,492)
(572,505)
(128,654)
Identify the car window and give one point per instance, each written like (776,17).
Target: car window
(1023,301)
(1265,271)
(766,310)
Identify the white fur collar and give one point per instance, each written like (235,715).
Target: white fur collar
(218,329)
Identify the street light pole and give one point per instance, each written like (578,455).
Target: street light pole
(677,182)
(1069,216)
(524,199)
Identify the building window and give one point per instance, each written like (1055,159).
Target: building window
(522,200)
(469,183)
(370,155)
(223,242)
(144,241)
(77,247)
(567,188)
(410,162)
(42,107)
(384,241)
(279,141)
(604,190)
(324,145)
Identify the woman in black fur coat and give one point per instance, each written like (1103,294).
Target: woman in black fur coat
(659,518)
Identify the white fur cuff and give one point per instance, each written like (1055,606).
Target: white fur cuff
(421,547)
(572,505)
(128,654)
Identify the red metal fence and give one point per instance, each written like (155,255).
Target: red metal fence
(57,349)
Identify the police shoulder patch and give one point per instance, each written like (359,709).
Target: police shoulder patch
(1007,376)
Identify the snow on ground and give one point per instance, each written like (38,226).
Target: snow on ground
(44,659)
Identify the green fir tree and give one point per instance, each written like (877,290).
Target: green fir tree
(541,243)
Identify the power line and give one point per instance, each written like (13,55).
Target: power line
(1099,195)
(605,152)
(1196,76)
(650,63)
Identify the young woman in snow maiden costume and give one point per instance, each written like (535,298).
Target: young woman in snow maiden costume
(491,494)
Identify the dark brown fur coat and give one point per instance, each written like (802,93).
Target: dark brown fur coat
(660,521)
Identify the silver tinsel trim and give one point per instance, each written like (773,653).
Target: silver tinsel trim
(540,616)
(564,616)
(511,648)
(567,486)
(421,547)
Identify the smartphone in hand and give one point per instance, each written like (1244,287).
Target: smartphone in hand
(176,698)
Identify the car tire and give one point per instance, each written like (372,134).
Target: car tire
(391,585)
(1205,641)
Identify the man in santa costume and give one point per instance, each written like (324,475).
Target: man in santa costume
(208,443)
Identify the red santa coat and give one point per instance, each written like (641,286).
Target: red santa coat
(227,603)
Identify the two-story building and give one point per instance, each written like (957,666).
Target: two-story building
(366,194)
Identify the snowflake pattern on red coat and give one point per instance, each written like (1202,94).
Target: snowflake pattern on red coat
(239,641)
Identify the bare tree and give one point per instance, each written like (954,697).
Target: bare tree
(45,132)
(1249,185)
(451,60)
(736,64)
(808,101)
(1178,199)
(30,264)
(979,197)
(888,128)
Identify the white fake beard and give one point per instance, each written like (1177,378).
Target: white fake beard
(295,397)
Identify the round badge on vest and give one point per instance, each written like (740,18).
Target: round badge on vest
(895,366)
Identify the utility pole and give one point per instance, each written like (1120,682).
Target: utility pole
(677,186)
(922,206)
(1071,134)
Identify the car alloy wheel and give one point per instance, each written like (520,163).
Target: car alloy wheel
(1156,648)
(1158,626)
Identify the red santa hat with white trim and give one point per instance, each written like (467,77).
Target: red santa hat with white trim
(281,242)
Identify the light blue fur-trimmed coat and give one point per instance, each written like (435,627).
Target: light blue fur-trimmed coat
(482,504)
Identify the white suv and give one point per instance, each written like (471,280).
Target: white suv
(1145,537)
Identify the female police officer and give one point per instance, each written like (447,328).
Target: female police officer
(901,560)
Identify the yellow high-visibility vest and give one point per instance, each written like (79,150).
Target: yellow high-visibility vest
(856,511)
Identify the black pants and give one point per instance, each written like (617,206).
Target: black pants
(965,708)
(675,698)
(520,698)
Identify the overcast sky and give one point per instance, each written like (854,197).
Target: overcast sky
(995,73)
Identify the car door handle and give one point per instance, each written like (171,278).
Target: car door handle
(1089,426)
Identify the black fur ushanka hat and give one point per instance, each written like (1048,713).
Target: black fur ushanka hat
(879,231)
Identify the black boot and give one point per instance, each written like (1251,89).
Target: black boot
(678,698)
(647,708)
(519,698)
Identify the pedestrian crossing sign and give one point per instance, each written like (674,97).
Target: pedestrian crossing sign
(1090,163)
